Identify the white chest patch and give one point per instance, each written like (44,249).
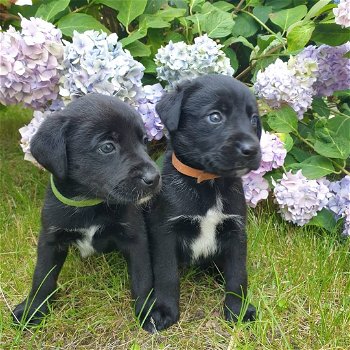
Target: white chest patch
(206,242)
(85,244)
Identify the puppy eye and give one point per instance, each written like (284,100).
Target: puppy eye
(145,140)
(215,118)
(254,120)
(106,148)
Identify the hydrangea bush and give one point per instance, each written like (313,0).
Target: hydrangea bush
(293,55)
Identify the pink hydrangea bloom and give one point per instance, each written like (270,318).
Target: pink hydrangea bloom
(298,198)
(273,153)
(342,13)
(30,63)
(256,188)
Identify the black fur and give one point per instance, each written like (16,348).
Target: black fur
(70,145)
(230,149)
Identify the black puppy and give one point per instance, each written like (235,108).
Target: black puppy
(199,217)
(95,149)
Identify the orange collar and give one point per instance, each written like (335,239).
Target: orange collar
(200,175)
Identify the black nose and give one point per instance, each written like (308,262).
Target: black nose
(247,148)
(150,178)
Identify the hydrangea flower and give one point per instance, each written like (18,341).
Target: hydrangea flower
(96,62)
(333,68)
(273,153)
(150,96)
(346,230)
(179,61)
(288,83)
(255,187)
(298,198)
(342,13)
(30,63)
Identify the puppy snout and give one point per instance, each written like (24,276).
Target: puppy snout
(150,178)
(246,148)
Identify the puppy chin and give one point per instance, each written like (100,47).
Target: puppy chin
(144,200)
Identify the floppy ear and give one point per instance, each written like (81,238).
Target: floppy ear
(169,109)
(48,145)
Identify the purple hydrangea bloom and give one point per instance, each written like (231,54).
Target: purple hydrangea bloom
(150,95)
(333,68)
(340,195)
(288,83)
(342,13)
(298,198)
(96,62)
(346,230)
(256,188)
(30,63)
(178,61)
(273,153)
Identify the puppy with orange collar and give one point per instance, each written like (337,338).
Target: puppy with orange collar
(199,217)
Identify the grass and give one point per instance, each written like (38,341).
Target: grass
(299,281)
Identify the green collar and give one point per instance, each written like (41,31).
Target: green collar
(72,202)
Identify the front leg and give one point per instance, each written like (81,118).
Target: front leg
(140,271)
(50,259)
(166,281)
(235,275)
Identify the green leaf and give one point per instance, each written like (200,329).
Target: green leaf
(299,154)
(154,5)
(338,147)
(314,167)
(262,12)
(331,34)
(347,55)
(170,13)
(150,66)
(137,34)
(110,3)
(240,39)
(153,21)
(300,35)
(79,22)
(314,11)
(320,107)
(286,18)
(340,125)
(223,5)
(245,26)
(233,57)
(138,49)
(50,9)
(218,24)
(128,10)
(324,219)
(283,120)
(287,141)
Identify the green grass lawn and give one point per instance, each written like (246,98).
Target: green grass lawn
(299,281)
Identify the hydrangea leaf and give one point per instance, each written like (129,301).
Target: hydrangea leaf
(79,22)
(232,56)
(331,34)
(223,5)
(218,24)
(240,39)
(320,107)
(316,9)
(286,18)
(338,147)
(139,49)
(300,35)
(283,120)
(50,9)
(324,219)
(128,10)
(314,167)
(137,34)
(262,12)
(340,125)
(245,26)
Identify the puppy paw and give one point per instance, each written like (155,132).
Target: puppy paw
(29,315)
(232,313)
(161,317)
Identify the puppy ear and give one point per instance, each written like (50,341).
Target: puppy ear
(169,109)
(48,145)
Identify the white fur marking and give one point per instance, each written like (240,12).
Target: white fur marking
(85,244)
(144,200)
